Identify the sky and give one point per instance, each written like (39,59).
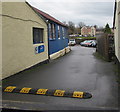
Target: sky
(91,12)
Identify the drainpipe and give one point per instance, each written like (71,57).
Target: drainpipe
(47,21)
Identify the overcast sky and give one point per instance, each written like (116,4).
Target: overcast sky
(94,12)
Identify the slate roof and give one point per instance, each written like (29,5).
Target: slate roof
(47,16)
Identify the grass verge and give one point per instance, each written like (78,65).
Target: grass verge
(84,37)
(98,56)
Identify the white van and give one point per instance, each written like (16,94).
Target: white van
(72,42)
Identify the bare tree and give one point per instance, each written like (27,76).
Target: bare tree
(81,24)
(77,30)
(96,27)
(65,23)
(71,24)
(71,27)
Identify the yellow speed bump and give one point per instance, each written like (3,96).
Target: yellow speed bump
(25,90)
(59,93)
(9,89)
(48,92)
(78,94)
(42,91)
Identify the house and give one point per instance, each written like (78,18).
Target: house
(21,46)
(88,31)
(57,35)
(116,25)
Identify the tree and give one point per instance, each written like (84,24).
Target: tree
(65,23)
(81,24)
(77,30)
(71,27)
(107,29)
(96,27)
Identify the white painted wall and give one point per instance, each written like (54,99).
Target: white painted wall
(0,41)
(117,32)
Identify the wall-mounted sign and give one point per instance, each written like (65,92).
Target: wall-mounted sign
(39,49)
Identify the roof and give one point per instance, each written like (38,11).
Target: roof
(88,27)
(47,16)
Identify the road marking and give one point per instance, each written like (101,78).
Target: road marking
(25,90)
(42,91)
(9,89)
(78,94)
(59,93)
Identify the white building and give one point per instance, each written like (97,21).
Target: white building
(117,29)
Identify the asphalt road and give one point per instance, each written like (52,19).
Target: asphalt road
(79,70)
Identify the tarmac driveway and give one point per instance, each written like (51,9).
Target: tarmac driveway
(79,70)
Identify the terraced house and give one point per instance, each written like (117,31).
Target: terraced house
(25,40)
(88,31)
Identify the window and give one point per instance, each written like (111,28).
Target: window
(52,32)
(58,32)
(63,32)
(37,35)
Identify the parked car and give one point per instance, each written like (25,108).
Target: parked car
(89,43)
(94,43)
(72,42)
(83,43)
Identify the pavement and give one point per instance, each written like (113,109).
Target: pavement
(79,70)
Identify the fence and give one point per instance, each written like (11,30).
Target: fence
(105,46)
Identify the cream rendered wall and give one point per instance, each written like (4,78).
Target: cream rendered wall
(18,48)
(93,31)
(0,40)
(117,32)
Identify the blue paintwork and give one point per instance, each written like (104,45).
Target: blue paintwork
(39,49)
(56,44)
